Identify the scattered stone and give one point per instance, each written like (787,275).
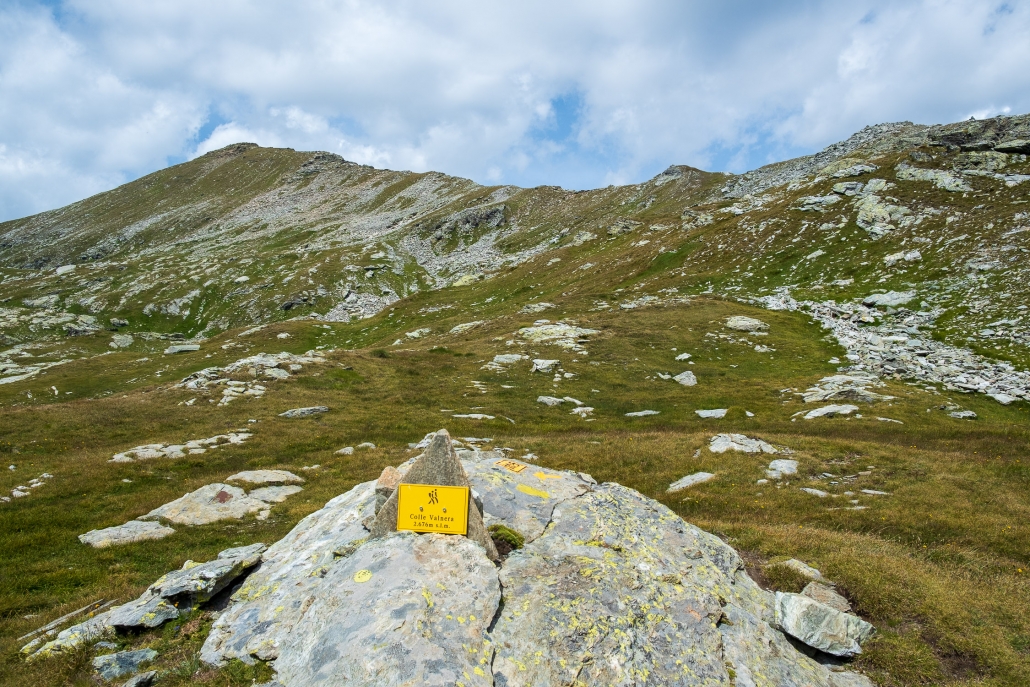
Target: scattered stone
(121,341)
(939,178)
(582,411)
(826,595)
(142,680)
(643,413)
(508,358)
(781,467)
(714,413)
(345,451)
(873,492)
(181,348)
(474,416)
(1002,398)
(742,323)
(544,365)
(906,256)
(550,400)
(845,387)
(802,569)
(194,446)
(210,503)
(563,335)
(816,203)
(304,412)
(721,443)
(683,356)
(274,494)
(366,445)
(462,328)
(265,477)
(815,492)
(890,299)
(963,415)
(689,481)
(532,308)
(113,666)
(820,626)
(686,378)
(418,333)
(830,411)
(129,533)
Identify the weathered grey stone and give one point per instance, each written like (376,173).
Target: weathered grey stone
(113,666)
(131,532)
(181,348)
(686,378)
(743,323)
(803,569)
(304,412)
(142,680)
(146,612)
(781,467)
(210,503)
(196,583)
(438,465)
(831,411)
(71,638)
(689,481)
(712,413)
(265,477)
(267,607)
(406,609)
(889,299)
(642,413)
(820,626)
(721,443)
(121,341)
(523,501)
(244,551)
(963,415)
(825,594)
(550,400)
(274,494)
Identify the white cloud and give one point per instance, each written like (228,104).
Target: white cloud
(106,91)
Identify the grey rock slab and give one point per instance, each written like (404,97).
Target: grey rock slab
(690,481)
(549,400)
(742,323)
(721,443)
(686,378)
(642,413)
(274,494)
(146,612)
(820,626)
(889,299)
(265,477)
(815,492)
(621,591)
(142,680)
(803,568)
(963,415)
(112,666)
(825,594)
(406,609)
(196,583)
(438,465)
(181,348)
(781,467)
(267,607)
(524,500)
(304,412)
(129,533)
(831,411)
(73,637)
(210,503)
(712,414)
(244,551)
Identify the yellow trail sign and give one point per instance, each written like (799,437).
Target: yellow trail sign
(432,508)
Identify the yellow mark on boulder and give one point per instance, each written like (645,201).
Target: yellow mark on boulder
(363,576)
(544,475)
(533,492)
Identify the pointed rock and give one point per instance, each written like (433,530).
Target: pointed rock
(438,465)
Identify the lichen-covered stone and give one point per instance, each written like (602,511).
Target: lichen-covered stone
(820,626)
(275,596)
(210,503)
(129,533)
(406,609)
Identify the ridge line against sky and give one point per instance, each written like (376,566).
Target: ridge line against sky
(577,94)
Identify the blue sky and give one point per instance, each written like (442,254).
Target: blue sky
(578,94)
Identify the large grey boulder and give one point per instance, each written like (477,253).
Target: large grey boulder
(406,609)
(820,626)
(210,503)
(129,533)
(267,607)
(610,587)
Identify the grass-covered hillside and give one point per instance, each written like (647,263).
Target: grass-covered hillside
(896,259)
